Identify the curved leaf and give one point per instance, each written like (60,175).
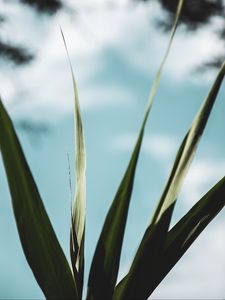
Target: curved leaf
(136,284)
(185,232)
(41,247)
(187,149)
(77,234)
(105,264)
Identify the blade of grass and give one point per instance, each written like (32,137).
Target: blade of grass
(187,150)
(79,209)
(150,251)
(185,232)
(73,239)
(105,264)
(181,236)
(41,247)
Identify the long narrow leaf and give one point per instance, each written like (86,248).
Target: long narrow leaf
(105,264)
(38,239)
(185,232)
(152,245)
(79,209)
(187,149)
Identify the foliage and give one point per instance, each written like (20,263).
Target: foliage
(160,248)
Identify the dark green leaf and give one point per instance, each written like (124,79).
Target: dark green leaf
(105,264)
(38,239)
(148,257)
(185,232)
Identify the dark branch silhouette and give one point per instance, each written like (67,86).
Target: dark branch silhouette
(16,54)
(44,6)
(195,14)
(20,55)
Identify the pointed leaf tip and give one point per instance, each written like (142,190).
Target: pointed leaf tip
(40,244)
(105,264)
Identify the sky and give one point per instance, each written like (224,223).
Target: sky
(115,50)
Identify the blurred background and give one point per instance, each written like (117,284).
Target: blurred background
(116,48)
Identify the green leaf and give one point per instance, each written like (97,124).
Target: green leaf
(38,239)
(148,258)
(105,264)
(179,239)
(187,149)
(79,210)
(185,232)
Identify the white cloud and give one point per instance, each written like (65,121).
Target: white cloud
(92,29)
(203,174)
(159,146)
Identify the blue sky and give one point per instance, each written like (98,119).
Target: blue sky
(115,52)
